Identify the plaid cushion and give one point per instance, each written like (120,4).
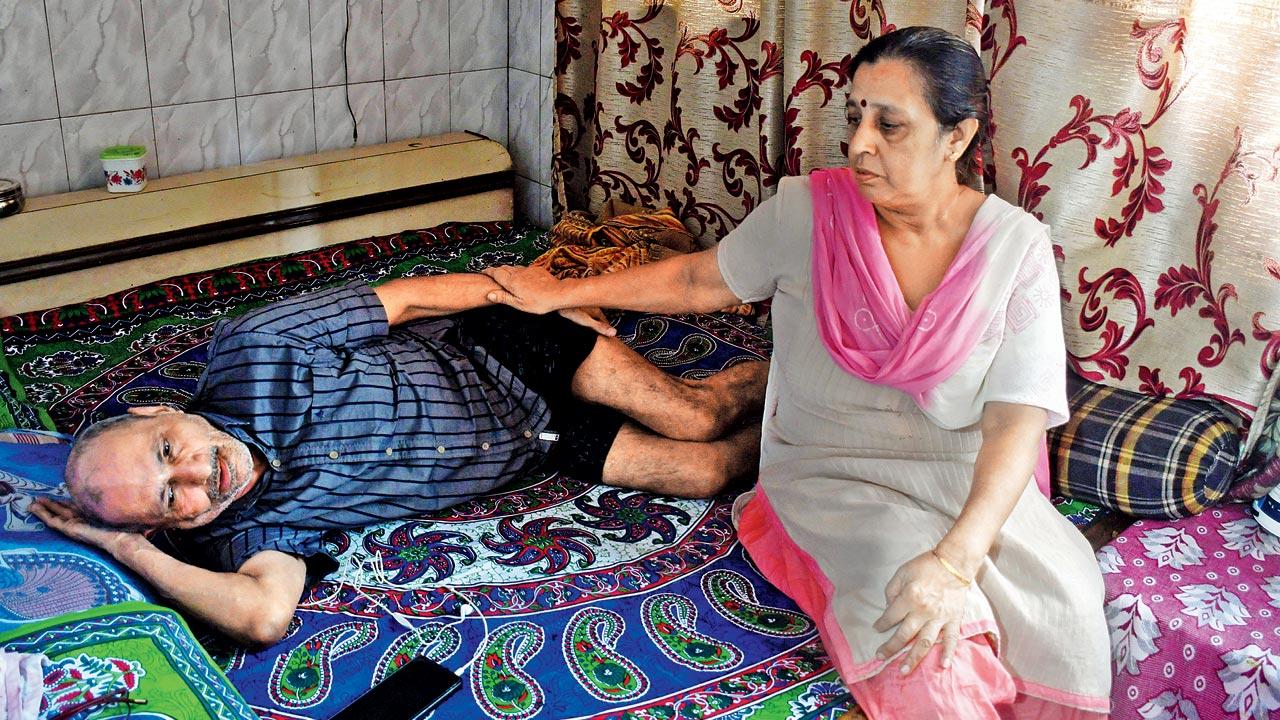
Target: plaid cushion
(1142,455)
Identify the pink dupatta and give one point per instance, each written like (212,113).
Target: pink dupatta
(862,317)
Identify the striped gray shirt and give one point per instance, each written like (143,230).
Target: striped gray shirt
(360,423)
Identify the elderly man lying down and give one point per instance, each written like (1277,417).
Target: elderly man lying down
(357,405)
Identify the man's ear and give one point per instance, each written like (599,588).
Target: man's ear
(151,410)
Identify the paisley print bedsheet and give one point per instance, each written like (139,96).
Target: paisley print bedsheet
(593,602)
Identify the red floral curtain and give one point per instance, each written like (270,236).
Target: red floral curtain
(1143,133)
(1146,135)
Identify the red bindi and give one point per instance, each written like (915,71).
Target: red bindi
(863,103)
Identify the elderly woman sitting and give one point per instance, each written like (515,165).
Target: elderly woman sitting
(918,361)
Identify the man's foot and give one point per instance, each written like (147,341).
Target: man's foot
(735,392)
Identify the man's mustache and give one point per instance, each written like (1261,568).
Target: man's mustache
(215,474)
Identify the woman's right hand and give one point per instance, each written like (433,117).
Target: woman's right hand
(926,605)
(530,289)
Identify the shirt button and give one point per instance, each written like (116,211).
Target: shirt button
(333,454)
(484,446)
(390,451)
(275,463)
(440,449)
(528,433)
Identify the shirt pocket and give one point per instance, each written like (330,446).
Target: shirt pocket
(352,402)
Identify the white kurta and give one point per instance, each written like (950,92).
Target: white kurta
(863,479)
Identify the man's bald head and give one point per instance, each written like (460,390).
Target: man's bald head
(87,495)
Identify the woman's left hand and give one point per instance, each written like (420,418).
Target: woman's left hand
(926,603)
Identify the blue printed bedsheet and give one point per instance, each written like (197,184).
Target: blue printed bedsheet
(593,602)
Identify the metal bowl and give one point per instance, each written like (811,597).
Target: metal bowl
(11,198)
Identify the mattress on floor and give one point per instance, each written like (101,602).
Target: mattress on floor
(594,602)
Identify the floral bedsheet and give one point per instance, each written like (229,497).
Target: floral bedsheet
(1194,610)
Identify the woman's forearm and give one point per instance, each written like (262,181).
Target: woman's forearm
(1011,436)
(685,283)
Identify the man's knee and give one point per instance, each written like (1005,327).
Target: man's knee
(705,475)
(703,421)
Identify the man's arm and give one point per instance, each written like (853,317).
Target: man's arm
(252,605)
(684,283)
(409,299)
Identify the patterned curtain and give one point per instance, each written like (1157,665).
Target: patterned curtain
(1144,133)
(1147,135)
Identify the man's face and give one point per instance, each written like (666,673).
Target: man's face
(167,470)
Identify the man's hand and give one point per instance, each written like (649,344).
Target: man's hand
(531,289)
(68,521)
(252,605)
(591,318)
(926,603)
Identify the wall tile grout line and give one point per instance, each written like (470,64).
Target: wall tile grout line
(382,48)
(235,89)
(57,101)
(514,210)
(541,130)
(151,99)
(311,62)
(160,106)
(448,46)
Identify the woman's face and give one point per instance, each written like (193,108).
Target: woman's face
(897,151)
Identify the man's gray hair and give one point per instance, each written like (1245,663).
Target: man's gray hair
(84,440)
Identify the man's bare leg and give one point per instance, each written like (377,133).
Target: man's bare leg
(616,376)
(641,460)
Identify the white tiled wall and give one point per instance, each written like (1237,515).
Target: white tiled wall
(211,83)
(530,95)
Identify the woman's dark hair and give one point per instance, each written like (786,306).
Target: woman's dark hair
(955,84)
